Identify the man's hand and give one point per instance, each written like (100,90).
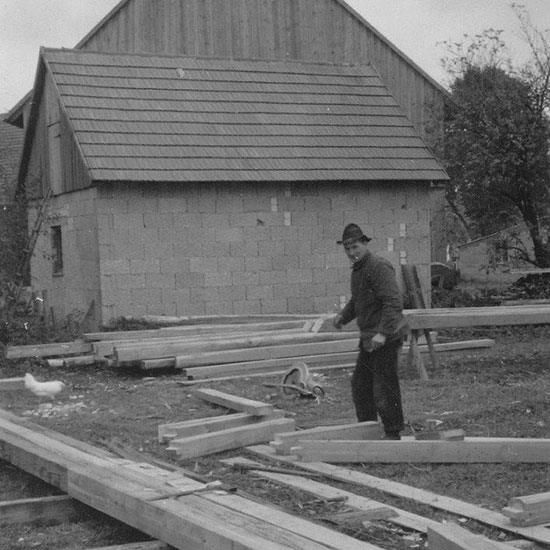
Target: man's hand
(337,321)
(378,340)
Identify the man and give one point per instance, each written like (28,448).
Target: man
(377,305)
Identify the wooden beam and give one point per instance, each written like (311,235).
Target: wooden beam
(128,354)
(45,510)
(359,430)
(232,438)
(471,450)
(440,502)
(127,494)
(327,492)
(49,350)
(267,352)
(199,426)
(152,545)
(235,403)
(529,510)
(188,330)
(450,536)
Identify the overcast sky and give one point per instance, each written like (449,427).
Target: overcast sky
(414,26)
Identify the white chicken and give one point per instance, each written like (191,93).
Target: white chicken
(43,389)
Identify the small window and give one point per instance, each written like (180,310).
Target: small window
(57,250)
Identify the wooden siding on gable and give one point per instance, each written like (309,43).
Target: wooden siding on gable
(301,30)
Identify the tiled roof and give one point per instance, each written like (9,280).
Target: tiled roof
(11,142)
(159,118)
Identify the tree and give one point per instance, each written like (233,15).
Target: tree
(497,139)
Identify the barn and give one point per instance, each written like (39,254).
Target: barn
(202,157)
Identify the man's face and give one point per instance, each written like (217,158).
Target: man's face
(356,250)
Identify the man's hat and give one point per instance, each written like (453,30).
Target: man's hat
(352,233)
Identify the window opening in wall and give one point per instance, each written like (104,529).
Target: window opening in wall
(57,250)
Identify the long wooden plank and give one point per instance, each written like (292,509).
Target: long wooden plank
(326,492)
(339,360)
(150,545)
(187,330)
(319,533)
(440,502)
(188,428)
(235,402)
(44,510)
(450,536)
(232,438)
(127,355)
(191,341)
(267,352)
(140,500)
(48,350)
(471,450)
(359,430)
(487,316)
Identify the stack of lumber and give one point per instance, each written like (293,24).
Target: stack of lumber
(254,422)
(529,510)
(164,504)
(205,349)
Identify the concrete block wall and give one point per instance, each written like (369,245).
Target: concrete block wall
(72,292)
(202,249)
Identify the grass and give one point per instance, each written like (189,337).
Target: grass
(503,391)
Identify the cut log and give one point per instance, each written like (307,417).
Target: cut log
(49,350)
(232,438)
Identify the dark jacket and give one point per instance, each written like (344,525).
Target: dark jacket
(376,300)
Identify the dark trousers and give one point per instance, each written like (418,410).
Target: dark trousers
(375,387)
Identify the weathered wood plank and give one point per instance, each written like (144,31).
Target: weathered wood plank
(450,536)
(12,384)
(48,350)
(232,438)
(326,492)
(360,430)
(235,403)
(471,450)
(440,502)
(189,428)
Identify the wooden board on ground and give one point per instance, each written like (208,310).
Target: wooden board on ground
(440,502)
(142,501)
(359,430)
(48,350)
(188,428)
(327,492)
(450,536)
(235,403)
(232,438)
(529,509)
(471,450)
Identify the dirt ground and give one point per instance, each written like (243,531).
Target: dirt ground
(501,391)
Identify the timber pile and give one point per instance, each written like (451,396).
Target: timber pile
(205,349)
(166,505)
(254,422)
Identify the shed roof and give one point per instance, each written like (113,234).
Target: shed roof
(164,118)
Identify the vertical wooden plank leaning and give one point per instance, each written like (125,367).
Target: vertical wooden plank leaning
(412,283)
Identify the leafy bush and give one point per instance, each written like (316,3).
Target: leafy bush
(534,286)
(475,297)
